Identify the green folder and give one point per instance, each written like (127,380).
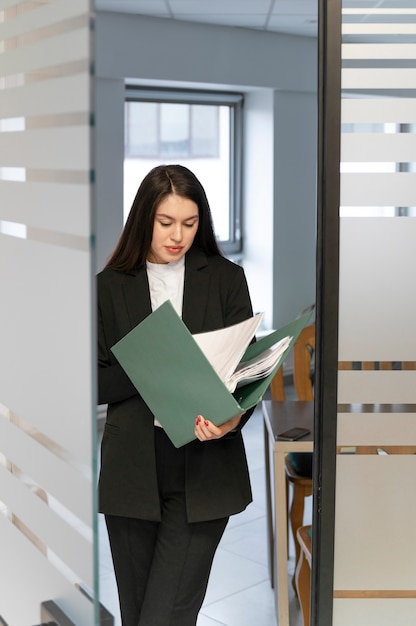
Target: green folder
(176,380)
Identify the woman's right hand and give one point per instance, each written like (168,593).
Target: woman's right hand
(205,430)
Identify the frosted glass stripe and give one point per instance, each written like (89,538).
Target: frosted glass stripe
(46,370)
(38,578)
(59,208)
(378,51)
(383,558)
(63,240)
(380,11)
(377,365)
(48,97)
(58,50)
(55,340)
(30,122)
(38,74)
(62,148)
(65,177)
(28,38)
(377,309)
(378,78)
(378,110)
(400,28)
(374,517)
(377,429)
(376,387)
(43,14)
(359,147)
(395,189)
(70,485)
(68,544)
(375,593)
(75,177)
(372,611)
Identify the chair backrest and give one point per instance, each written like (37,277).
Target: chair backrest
(277,385)
(303,352)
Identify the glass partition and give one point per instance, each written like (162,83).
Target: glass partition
(368,441)
(376,433)
(47,379)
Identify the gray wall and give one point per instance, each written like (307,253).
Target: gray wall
(278,74)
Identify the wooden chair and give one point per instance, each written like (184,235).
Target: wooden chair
(303,572)
(303,351)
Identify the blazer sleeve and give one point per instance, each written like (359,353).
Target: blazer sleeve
(238,303)
(113,383)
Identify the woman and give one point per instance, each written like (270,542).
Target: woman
(166,508)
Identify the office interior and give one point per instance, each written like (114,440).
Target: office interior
(52,246)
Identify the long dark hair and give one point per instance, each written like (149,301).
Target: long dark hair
(134,244)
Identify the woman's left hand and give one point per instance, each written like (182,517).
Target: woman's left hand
(205,430)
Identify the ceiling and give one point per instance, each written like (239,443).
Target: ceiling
(295,17)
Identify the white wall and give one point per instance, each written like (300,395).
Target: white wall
(259,199)
(274,71)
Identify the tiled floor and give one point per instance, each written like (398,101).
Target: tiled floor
(239,591)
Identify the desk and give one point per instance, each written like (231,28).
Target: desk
(278,417)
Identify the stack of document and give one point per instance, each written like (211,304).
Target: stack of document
(259,367)
(225,348)
(181,376)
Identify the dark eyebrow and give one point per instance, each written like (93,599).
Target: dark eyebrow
(169,217)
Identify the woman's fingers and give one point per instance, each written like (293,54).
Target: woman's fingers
(206,430)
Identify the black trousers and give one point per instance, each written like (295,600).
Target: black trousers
(162,568)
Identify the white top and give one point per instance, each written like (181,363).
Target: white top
(166,283)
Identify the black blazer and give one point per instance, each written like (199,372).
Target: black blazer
(217,479)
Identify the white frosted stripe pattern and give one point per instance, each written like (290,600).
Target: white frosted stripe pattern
(378,110)
(379,51)
(378,78)
(59,208)
(48,527)
(375,523)
(47,370)
(51,51)
(40,15)
(378,189)
(380,28)
(374,611)
(375,541)
(373,147)
(46,379)
(376,307)
(22,149)
(385,12)
(47,97)
(38,577)
(376,429)
(369,387)
(45,468)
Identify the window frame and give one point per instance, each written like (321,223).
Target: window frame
(235,101)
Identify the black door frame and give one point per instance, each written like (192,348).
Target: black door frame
(327,289)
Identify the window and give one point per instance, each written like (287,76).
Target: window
(163,129)
(201,130)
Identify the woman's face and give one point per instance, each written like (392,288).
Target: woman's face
(174,229)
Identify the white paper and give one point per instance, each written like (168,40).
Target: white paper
(225,347)
(258,367)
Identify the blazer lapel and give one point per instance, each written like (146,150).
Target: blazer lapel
(137,296)
(195,295)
